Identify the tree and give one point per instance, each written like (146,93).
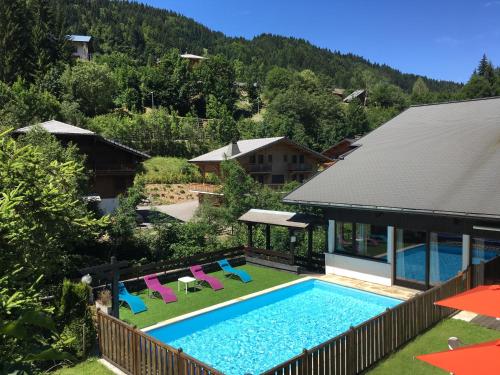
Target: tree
(387,95)
(43,220)
(15,40)
(91,85)
(28,333)
(223,128)
(356,120)
(486,70)
(420,92)
(478,87)
(217,77)
(238,188)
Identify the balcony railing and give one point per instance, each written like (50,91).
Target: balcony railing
(205,188)
(260,168)
(300,167)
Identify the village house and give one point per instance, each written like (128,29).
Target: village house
(81,46)
(113,166)
(418,201)
(270,161)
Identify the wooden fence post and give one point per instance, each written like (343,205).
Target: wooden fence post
(180,363)
(305,362)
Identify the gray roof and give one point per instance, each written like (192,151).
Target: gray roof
(61,128)
(247,146)
(57,127)
(281,218)
(79,38)
(354,95)
(192,57)
(440,159)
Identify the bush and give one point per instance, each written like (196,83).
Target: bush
(171,170)
(75,316)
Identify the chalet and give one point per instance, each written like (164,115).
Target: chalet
(360,95)
(418,201)
(112,164)
(270,161)
(81,46)
(341,148)
(339,93)
(193,59)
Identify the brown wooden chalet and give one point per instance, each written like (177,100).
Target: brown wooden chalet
(112,164)
(270,161)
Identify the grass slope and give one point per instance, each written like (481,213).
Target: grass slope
(158,311)
(435,340)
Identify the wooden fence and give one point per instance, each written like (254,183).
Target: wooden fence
(362,346)
(134,352)
(137,272)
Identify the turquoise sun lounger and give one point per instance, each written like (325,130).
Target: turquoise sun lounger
(227,268)
(134,302)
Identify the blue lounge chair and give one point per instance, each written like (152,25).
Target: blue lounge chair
(228,269)
(134,302)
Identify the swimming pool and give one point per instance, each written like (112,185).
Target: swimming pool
(446,262)
(254,335)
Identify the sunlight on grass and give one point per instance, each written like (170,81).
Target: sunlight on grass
(403,362)
(158,311)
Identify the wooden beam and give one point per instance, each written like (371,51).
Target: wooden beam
(115,269)
(310,233)
(250,235)
(268,237)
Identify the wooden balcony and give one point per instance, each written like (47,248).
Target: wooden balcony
(260,168)
(300,167)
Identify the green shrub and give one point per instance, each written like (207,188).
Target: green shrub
(76,318)
(170,170)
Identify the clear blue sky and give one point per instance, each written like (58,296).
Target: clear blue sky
(442,39)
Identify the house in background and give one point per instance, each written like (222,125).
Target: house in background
(193,59)
(270,161)
(339,92)
(418,201)
(341,148)
(112,164)
(81,45)
(361,95)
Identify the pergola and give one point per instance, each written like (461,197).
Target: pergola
(291,220)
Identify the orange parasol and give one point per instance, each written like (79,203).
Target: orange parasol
(483,300)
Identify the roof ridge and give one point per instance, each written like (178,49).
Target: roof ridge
(455,101)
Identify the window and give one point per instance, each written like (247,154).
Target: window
(277,179)
(261,159)
(285,158)
(269,158)
(364,240)
(301,159)
(252,159)
(445,256)
(260,179)
(411,255)
(294,159)
(484,249)
(301,178)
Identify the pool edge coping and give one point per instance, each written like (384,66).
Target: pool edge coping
(226,303)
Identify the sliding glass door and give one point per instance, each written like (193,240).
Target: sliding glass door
(411,260)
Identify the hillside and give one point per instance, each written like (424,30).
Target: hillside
(146,33)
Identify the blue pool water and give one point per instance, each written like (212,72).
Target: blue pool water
(445,263)
(255,335)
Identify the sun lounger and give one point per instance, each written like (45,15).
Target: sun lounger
(199,275)
(134,302)
(228,269)
(155,286)
(454,343)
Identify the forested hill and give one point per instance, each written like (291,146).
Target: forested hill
(147,33)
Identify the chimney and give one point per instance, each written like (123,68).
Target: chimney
(232,149)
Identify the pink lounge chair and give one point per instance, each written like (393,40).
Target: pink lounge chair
(199,275)
(154,285)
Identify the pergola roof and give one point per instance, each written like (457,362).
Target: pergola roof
(280,218)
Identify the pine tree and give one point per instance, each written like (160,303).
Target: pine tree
(486,70)
(15,40)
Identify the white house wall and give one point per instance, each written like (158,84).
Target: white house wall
(358,268)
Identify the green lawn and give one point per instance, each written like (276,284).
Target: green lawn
(435,340)
(90,366)
(158,311)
